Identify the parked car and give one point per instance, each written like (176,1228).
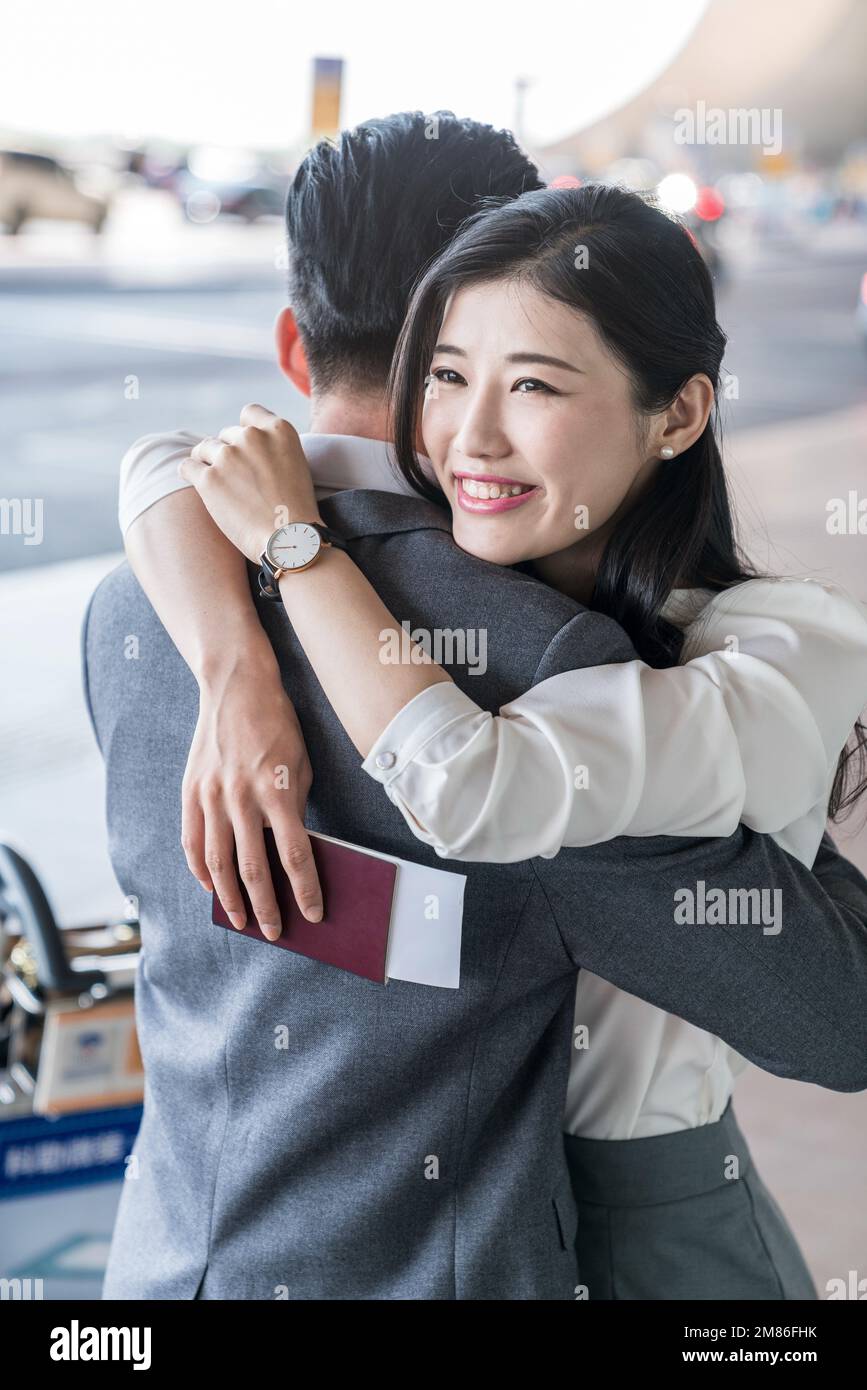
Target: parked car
(34,185)
(250,199)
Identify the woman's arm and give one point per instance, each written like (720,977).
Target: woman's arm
(749,729)
(749,734)
(253,478)
(247,729)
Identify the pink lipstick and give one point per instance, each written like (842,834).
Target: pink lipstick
(487,493)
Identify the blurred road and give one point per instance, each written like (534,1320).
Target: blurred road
(85,372)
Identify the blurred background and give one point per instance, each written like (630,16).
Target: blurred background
(144,157)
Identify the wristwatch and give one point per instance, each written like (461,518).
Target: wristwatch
(292,548)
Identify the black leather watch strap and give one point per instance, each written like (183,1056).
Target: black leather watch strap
(330,536)
(267,583)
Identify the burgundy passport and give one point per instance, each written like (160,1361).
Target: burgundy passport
(357,890)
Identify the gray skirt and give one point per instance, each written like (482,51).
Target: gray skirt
(659,1218)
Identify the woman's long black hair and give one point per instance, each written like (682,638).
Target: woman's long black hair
(636,272)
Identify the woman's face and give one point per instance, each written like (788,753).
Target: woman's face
(529,426)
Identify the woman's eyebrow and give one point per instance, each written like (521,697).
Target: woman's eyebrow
(541,358)
(515,357)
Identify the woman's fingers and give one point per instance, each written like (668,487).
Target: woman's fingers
(219,858)
(208,450)
(232,434)
(257,416)
(296,856)
(255,871)
(211,838)
(202,457)
(193,839)
(230,793)
(192,470)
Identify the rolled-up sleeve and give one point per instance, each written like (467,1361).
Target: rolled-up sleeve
(748,729)
(149,472)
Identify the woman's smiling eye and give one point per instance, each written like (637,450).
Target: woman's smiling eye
(535,384)
(527,386)
(447,375)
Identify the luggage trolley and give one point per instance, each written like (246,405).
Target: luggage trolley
(71,1088)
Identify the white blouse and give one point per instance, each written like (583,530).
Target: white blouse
(748,728)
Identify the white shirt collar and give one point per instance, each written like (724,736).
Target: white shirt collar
(341,461)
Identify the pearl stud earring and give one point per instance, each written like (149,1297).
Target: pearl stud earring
(667,452)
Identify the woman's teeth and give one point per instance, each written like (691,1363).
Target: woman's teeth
(489,492)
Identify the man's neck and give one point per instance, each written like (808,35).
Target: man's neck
(365,416)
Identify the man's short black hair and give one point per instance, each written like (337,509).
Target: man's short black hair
(365,215)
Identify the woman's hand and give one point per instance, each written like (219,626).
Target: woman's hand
(247,768)
(253,478)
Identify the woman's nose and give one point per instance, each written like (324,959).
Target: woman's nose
(481,436)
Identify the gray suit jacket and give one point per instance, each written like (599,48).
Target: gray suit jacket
(305,1171)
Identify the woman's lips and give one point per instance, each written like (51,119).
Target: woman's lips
(486,493)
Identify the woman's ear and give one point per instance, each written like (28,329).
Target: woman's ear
(686,418)
(290,351)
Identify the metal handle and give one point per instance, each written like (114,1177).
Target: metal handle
(22,894)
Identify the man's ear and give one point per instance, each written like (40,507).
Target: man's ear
(290,351)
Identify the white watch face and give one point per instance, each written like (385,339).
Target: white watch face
(294,545)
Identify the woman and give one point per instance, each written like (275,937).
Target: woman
(609,486)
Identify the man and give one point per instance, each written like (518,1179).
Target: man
(307,1133)
(362,219)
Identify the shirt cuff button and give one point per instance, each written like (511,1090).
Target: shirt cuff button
(385,760)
